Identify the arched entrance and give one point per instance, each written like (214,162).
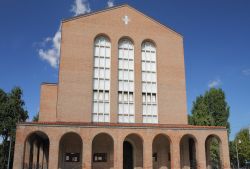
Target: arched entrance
(70,151)
(161,152)
(102,152)
(188,152)
(213,149)
(133,152)
(36,153)
(128,161)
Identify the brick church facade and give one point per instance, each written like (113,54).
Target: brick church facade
(120,101)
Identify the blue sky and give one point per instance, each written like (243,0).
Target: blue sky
(216,40)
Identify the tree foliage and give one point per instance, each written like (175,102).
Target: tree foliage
(210,109)
(12,111)
(36,118)
(242,140)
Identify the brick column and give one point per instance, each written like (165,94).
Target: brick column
(118,152)
(175,153)
(26,154)
(19,149)
(147,154)
(87,153)
(53,153)
(35,153)
(201,153)
(224,152)
(41,155)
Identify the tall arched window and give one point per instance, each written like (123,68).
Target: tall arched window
(149,83)
(126,82)
(101,80)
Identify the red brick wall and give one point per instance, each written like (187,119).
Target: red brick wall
(76,65)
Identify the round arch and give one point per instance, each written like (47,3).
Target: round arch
(70,151)
(149,41)
(133,151)
(188,147)
(125,38)
(102,151)
(36,150)
(163,135)
(161,148)
(102,35)
(213,151)
(213,136)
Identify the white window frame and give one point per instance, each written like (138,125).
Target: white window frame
(126,107)
(101,80)
(149,83)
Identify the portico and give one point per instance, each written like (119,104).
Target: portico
(137,147)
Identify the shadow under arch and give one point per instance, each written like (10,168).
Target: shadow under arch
(188,147)
(102,151)
(133,151)
(70,151)
(213,149)
(161,148)
(36,150)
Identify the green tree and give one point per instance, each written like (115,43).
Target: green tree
(12,111)
(242,140)
(36,118)
(210,109)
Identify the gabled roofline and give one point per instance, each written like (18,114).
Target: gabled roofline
(120,6)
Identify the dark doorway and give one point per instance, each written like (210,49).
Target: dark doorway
(127,155)
(192,151)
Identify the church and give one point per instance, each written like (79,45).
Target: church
(120,101)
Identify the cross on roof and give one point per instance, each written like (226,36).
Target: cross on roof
(126,19)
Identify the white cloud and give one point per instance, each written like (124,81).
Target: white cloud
(52,54)
(246,72)
(215,83)
(80,7)
(110,3)
(50,47)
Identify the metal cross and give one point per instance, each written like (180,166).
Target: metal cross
(126,19)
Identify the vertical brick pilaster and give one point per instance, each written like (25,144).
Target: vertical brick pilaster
(201,153)
(147,154)
(224,153)
(114,82)
(137,82)
(175,153)
(87,154)
(19,150)
(53,153)
(118,152)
